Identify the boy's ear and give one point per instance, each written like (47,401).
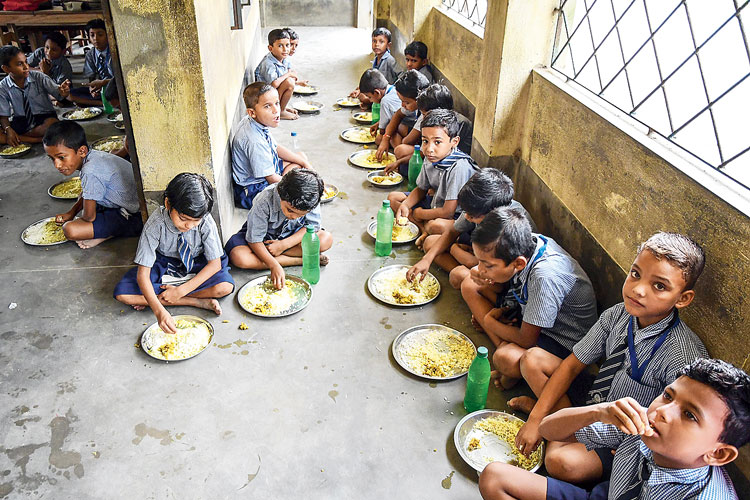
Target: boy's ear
(686,297)
(379,92)
(721,455)
(251,113)
(519,262)
(270,47)
(455,141)
(82,151)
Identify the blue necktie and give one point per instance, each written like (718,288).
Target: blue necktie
(101,67)
(186,256)
(27,107)
(277,162)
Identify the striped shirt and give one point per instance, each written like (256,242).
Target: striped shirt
(60,68)
(160,235)
(703,483)
(91,67)
(109,180)
(266,220)
(681,347)
(560,297)
(38,86)
(446,182)
(253,153)
(269,68)
(388,66)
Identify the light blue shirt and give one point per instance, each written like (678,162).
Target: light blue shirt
(37,86)
(90,64)
(270,68)
(266,220)
(446,182)
(253,153)
(109,180)
(388,66)
(389,104)
(60,69)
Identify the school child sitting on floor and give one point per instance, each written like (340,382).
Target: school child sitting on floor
(555,296)
(25,109)
(50,59)
(395,124)
(445,170)
(272,235)
(487,190)
(276,70)
(416,58)
(109,199)
(645,326)
(375,88)
(293,41)
(674,449)
(383,62)
(257,160)
(179,245)
(435,96)
(97,67)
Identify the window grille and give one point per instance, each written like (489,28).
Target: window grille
(473,10)
(680,67)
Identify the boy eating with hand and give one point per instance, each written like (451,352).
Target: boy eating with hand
(383,62)
(276,70)
(395,124)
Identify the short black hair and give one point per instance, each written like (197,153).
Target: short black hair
(66,132)
(435,96)
(410,83)
(252,93)
(277,34)
(190,194)
(8,52)
(416,49)
(508,232)
(58,38)
(381,32)
(302,188)
(681,251)
(485,191)
(95,24)
(372,79)
(445,119)
(733,387)
(292,34)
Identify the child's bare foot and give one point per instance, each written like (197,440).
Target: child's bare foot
(420,240)
(139,308)
(210,304)
(324,260)
(476,325)
(522,403)
(90,243)
(292,110)
(286,115)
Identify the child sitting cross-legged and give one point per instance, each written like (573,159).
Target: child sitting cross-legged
(272,236)
(383,62)
(256,159)
(180,243)
(644,344)
(555,296)
(109,199)
(276,70)
(445,171)
(416,58)
(673,449)
(397,118)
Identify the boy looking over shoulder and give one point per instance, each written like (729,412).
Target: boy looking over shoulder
(416,58)
(643,341)
(674,449)
(276,70)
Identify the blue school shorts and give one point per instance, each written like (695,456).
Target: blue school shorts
(237,239)
(244,195)
(128,285)
(560,490)
(111,222)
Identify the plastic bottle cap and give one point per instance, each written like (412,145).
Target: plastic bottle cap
(310,228)
(386,202)
(482,351)
(294,134)
(416,147)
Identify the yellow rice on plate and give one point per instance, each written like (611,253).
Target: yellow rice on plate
(45,233)
(13,150)
(438,354)
(191,338)
(395,286)
(506,430)
(266,300)
(68,189)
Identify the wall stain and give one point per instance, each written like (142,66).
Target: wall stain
(142,430)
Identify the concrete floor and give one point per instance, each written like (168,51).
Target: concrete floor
(312,404)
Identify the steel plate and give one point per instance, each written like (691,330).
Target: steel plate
(398,178)
(372,230)
(98,111)
(329,200)
(305,89)
(363,117)
(359,158)
(19,154)
(106,139)
(412,336)
(49,190)
(298,105)
(147,346)
(357,140)
(373,279)
(25,240)
(348,102)
(303,298)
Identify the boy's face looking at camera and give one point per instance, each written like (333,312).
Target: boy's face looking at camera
(268,109)
(98,37)
(407,102)
(293,46)
(17,66)
(380,44)
(181,221)
(66,160)
(653,288)
(280,48)
(436,143)
(414,62)
(52,51)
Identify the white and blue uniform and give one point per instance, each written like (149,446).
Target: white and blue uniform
(254,157)
(446,177)
(30,106)
(388,66)
(270,68)
(389,104)
(60,68)
(97,64)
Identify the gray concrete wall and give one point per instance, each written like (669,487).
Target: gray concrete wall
(280,13)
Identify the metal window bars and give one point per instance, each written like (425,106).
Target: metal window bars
(680,67)
(473,10)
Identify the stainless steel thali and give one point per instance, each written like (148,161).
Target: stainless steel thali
(303,296)
(385,271)
(147,339)
(414,335)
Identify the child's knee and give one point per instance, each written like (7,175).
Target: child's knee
(468,288)
(69,230)
(241,257)
(223,289)
(457,276)
(403,150)
(491,480)
(286,85)
(557,463)
(326,240)
(533,357)
(126,299)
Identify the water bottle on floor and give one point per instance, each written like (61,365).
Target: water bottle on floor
(375,113)
(477,382)
(311,256)
(384,235)
(295,146)
(415,166)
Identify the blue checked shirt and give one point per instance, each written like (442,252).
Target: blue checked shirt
(109,180)
(160,235)
(681,347)
(270,68)
(266,221)
(37,85)
(560,297)
(388,66)
(446,182)
(60,69)
(91,67)
(254,154)
(703,483)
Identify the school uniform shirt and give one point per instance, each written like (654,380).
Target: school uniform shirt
(446,182)
(266,221)
(388,66)
(253,153)
(464,132)
(37,88)
(60,68)
(426,70)
(703,483)
(109,180)
(680,348)
(160,235)
(389,104)
(270,68)
(97,68)
(462,225)
(560,297)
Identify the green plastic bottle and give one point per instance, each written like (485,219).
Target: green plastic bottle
(375,113)
(477,382)
(384,235)
(108,109)
(415,166)
(311,256)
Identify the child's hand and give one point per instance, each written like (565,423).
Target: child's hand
(96,85)
(496,313)
(45,65)
(166,322)
(64,88)
(528,438)
(627,415)
(391,167)
(420,269)
(63,218)
(278,276)
(374,128)
(381,150)
(275,247)
(476,278)
(403,211)
(171,294)
(354,93)
(12,137)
